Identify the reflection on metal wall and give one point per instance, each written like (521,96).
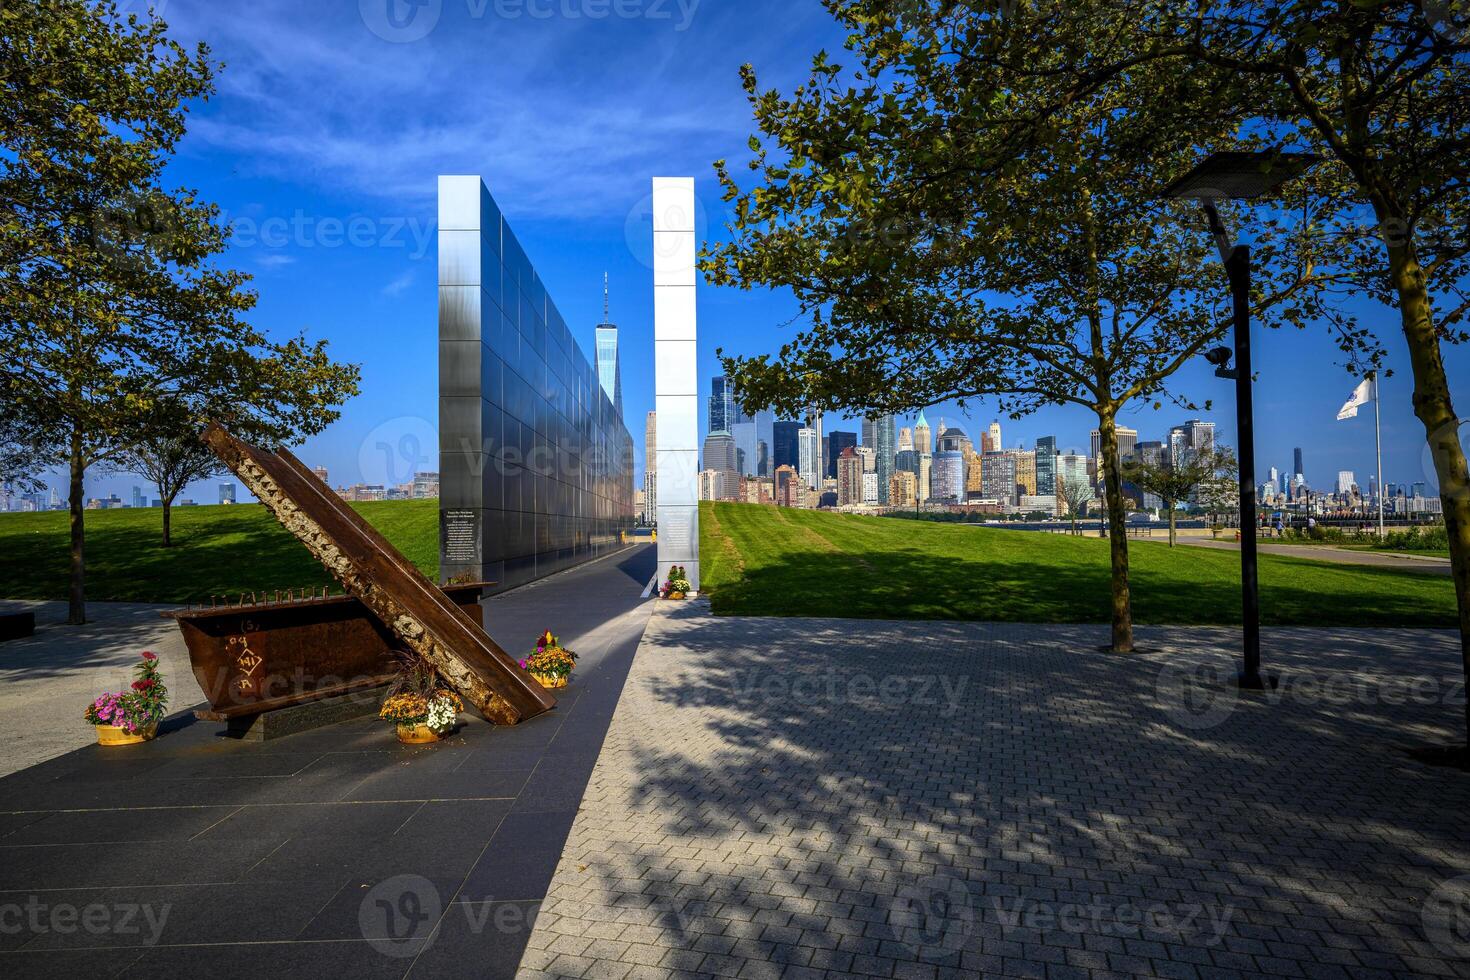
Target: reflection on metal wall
(536,467)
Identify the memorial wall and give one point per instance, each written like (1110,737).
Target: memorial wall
(536,468)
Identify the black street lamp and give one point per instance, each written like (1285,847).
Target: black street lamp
(1241,176)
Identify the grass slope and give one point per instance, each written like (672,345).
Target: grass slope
(769,561)
(216,551)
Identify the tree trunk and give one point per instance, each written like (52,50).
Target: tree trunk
(168,504)
(1436,411)
(1171,527)
(76,506)
(1118,534)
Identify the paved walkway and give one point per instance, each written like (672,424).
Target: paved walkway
(47,679)
(1425,564)
(333,853)
(813,798)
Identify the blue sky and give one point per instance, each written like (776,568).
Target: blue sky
(333,119)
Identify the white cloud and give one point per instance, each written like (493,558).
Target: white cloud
(398,284)
(563,116)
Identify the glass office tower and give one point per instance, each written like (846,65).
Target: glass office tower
(536,465)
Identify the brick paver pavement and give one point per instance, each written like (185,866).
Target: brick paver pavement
(808,798)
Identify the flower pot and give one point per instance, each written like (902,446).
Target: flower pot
(676,595)
(417,734)
(550,680)
(116,735)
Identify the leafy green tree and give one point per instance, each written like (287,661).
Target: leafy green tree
(954,229)
(1382,91)
(1176,478)
(110,300)
(1075,492)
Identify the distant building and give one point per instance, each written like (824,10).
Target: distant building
(905,439)
(226,493)
(718,485)
(849,478)
(784,451)
(998,481)
(609,369)
(837,443)
(140,500)
(870,487)
(321,474)
(721,405)
(948,477)
(903,490)
(719,452)
(886,449)
(1297,466)
(923,441)
(1346,482)
(1046,465)
(787,484)
(1026,472)
(869,456)
(996,445)
(809,456)
(926,474)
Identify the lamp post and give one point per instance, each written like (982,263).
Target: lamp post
(1241,176)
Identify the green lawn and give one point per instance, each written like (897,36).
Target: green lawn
(216,551)
(770,561)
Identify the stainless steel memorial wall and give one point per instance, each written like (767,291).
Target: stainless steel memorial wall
(536,467)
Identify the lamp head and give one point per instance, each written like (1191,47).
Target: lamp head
(1236,175)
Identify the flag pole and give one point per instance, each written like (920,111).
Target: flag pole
(1378,441)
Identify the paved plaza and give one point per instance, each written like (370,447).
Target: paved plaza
(773,798)
(809,798)
(333,853)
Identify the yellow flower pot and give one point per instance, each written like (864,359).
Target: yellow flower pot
(550,681)
(115,735)
(417,734)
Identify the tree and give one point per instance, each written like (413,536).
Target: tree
(1382,91)
(955,229)
(171,462)
(1176,478)
(109,298)
(1076,493)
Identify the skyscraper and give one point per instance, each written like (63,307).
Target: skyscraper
(747,445)
(721,404)
(814,422)
(886,449)
(837,441)
(784,451)
(1345,481)
(809,452)
(994,432)
(719,452)
(849,477)
(1298,467)
(948,476)
(1046,465)
(609,370)
(905,438)
(868,431)
(923,442)
(226,493)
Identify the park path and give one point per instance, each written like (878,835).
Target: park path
(1424,564)
(825,798)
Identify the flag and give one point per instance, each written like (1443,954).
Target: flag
(1362,395)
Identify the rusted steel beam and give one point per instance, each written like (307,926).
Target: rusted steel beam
(250,659)
(402,599)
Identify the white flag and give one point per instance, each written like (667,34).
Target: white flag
(1362,395)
